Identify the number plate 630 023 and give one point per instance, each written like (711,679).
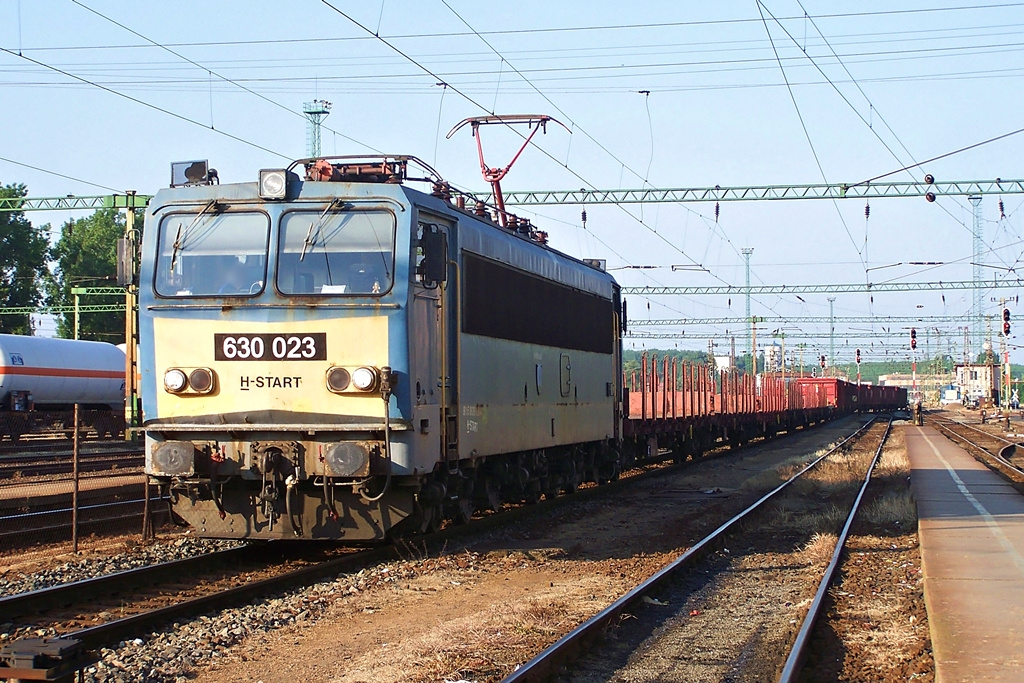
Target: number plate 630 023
(308,346)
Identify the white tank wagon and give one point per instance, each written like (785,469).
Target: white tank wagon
(42,374)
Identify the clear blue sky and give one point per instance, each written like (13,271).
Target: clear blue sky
(719,112)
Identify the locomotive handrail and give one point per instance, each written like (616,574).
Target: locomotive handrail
(396,425)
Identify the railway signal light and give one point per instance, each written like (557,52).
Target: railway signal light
(913,337)
(1006,322)
(823,362)
(858,356)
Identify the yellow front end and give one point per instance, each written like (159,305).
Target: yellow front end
(244,387)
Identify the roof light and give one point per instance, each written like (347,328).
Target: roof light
(273,183)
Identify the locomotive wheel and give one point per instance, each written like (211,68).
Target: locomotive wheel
(463,509)
(432,518)
(487,495)
(574,477)
(531,496)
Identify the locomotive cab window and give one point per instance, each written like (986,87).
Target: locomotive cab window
(220,254)
(336,253)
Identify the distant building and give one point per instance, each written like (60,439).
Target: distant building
(978,383)
(927,385)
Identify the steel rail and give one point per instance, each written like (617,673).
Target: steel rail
(803,637)
(96,506)
(114,631)
(546,665)
(1000,457)
(64,594)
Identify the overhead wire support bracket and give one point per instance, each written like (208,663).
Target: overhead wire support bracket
(825,289)
(928,190)
(73,202)
(495,175)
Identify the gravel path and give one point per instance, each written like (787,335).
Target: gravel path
(14,580)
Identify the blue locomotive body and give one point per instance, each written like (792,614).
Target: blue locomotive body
(338,359)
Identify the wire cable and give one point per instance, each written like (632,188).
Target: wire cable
(148,105)
(792,96)
(566,29)
(59,175)
(218,75)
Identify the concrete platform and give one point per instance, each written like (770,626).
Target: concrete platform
(971,527)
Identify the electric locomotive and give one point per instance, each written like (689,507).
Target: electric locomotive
(330,353)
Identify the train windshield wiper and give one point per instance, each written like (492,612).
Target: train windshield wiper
(179,238)
(310,239)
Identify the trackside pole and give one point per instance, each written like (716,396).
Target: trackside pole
(74,483)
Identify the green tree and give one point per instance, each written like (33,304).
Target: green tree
(86,256)
(22,263)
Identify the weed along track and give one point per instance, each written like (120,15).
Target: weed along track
(731,606)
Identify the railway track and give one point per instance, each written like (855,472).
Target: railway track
(83,616)
(146,598)
(582,643)
(53,463)
(996,451)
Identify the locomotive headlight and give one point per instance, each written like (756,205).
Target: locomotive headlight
(273,183)
(338,379)
(365,378)
(175,380)
(200,380)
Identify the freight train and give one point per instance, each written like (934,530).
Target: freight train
(330,353)
(42,378)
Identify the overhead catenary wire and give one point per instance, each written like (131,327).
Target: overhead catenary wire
(576,126)
(148,105)
(59,175)
(623,165)
(477,104)
(761,9)
(566,29)
(218,75)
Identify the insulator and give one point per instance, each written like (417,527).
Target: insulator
(867,211)
(717,208)
(1002,213)
(583,217)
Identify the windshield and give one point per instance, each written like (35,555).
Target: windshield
(336,252)
(212,254)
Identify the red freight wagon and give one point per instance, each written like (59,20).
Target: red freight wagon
(825,391)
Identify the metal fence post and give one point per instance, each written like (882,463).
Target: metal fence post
(74,483)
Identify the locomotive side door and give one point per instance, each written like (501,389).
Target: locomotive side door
(429,342)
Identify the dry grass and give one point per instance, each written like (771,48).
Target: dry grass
(893,508)
(818,550)
(883,631)
(771,478)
